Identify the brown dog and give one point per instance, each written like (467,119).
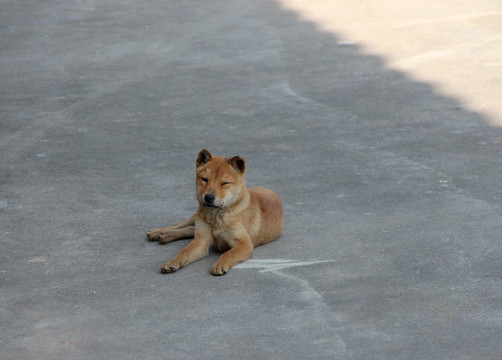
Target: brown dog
(231,218)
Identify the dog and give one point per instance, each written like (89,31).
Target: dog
(230,218)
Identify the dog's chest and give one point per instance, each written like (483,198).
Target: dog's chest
(223,240)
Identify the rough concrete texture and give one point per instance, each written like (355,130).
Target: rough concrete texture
(378,123)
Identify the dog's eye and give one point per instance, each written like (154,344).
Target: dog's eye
(204,179)
(225,183)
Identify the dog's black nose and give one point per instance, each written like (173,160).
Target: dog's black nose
(209,198)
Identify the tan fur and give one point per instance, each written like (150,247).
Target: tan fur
(231,218)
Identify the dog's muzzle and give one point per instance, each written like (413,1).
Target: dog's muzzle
(209,200)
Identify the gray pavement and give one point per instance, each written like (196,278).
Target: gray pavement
(391,187)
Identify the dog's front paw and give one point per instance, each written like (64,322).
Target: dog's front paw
(170,266)
(219,269)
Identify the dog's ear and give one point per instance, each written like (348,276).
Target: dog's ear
(238,163)
(204,157)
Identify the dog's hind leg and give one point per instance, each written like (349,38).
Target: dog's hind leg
(182,230)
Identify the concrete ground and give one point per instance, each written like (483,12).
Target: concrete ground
(378,123)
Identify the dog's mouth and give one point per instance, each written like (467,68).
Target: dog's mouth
(209,200)
(210,205)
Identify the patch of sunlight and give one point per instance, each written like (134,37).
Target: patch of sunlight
(454,45)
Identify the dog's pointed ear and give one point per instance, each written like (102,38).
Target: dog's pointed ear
(204,157)
(238,163)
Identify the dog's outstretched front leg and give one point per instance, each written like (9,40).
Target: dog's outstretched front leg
(195,250)
(243,250)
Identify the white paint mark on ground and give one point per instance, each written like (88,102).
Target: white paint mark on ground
(267,265)
(311,302)
(39,259)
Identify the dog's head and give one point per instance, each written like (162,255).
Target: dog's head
(219,180)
